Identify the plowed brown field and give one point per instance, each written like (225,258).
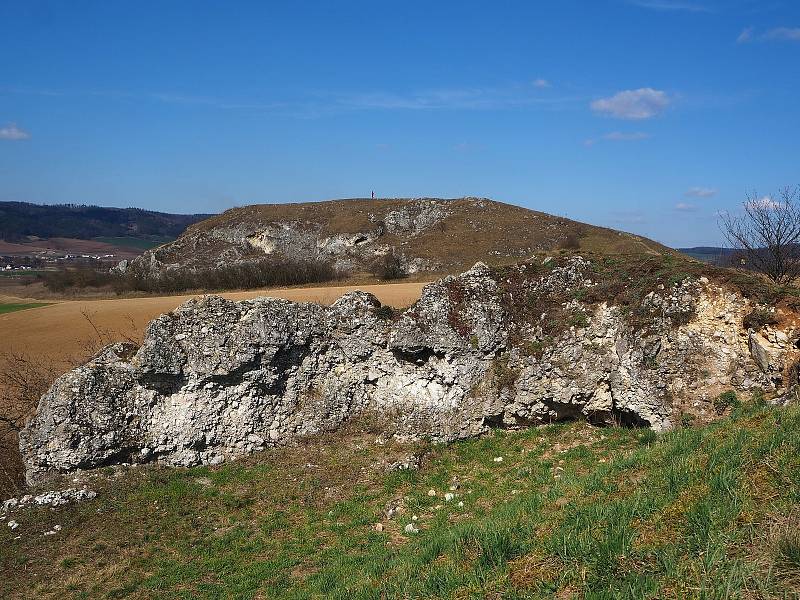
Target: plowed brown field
(61,332)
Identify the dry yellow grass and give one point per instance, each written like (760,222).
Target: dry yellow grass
(60,331)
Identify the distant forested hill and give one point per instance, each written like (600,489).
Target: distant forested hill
(709,254)
(21,219)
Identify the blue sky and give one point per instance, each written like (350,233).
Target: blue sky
(643,115)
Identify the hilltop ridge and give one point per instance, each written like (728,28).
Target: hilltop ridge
(425,234)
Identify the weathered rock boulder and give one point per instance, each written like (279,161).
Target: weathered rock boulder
(216,379)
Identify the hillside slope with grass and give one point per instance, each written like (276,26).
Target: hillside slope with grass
(561,511)
(425,234)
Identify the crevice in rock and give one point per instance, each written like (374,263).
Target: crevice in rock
(564,412)
(417,356)
(126,454)
(628,418)
(236,376)
(286,361)
(163,383)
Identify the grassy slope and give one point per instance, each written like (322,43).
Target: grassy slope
(135,243)
(571,511)
(7,308)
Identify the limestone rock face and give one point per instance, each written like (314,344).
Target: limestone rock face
(216,379)
(248,241)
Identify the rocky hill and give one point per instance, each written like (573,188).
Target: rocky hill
(425,234)
(644,340)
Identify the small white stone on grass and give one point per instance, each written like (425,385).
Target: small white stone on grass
(431,492)
(449,496)
(410,528)
(498,459)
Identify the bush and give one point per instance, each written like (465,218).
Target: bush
(385,313)
(84,277)
(505,376)
(571,242)
(724,400)
(23,380)
(759,317)
(264,273)
(388,267)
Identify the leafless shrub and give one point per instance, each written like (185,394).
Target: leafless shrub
(388,267)
(767,235)
(23,381)
(246,275)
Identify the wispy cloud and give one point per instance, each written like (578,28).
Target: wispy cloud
(171,98)
(788,34)
(670,5)
(700,192)
(13,133)
(643,103)
(745,36)
(516,95)
(777,34)
(160,96)
(619,136)
(685,207)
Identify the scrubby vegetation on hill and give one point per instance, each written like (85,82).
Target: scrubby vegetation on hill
(268,272)
(556,512)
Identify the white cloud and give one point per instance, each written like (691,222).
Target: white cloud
(700,192)
(643,103)
(12,132)
(670,5)
(684,207)
(745,36)
(541,83)
(619,136)
(788,34)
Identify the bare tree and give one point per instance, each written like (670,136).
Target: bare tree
(23,380)
(767,234)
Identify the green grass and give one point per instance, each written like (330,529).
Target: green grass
(571,511)
(19,274)
(12,307)
(135,243)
